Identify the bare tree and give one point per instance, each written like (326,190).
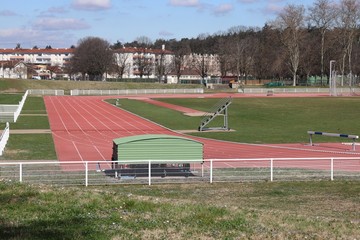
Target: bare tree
(121,64)
(181,50)
(144,41)
(224,51)
(267,57)
(163,64)
(143,62)
(290,21)
(20,70)
(201,64)
(247,46)
(92,57)
(322,14)
(347,21)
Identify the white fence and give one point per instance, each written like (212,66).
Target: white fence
(297,90)
(10,113)
(212,170)
(78,92)
(54,92)
(4,138)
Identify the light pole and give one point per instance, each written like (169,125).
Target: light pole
(331,83)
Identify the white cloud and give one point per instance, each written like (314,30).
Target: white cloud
(58,24)
(7,13)
(165,34)
(15,32)
(185,3)
(272,9)
(223,9)
(248,1)
(57,10)
(91,5)
(31,37)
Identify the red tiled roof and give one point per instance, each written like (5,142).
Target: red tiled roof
(71,50)
(142,50)
(9,64)
(37,51)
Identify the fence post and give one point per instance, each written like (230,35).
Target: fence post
(211,170)
(86,174)
(20,172)
(149,172)
(202,170)
(271,170)
(332,169)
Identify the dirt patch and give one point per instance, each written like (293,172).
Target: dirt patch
(11,90)
(195,130)
(195,114)
(29,131)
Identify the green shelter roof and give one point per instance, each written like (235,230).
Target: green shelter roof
(123,140)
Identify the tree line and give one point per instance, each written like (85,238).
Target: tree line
(300,42)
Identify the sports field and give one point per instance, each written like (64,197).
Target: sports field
(261,210)
(83,129)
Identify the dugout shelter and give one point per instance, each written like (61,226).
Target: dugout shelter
(169,154)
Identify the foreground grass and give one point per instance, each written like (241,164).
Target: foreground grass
(297,210)
(29,147)
(262,120)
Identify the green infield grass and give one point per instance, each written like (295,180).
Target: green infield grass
(262,120)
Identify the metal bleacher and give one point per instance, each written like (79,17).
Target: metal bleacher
(219,109)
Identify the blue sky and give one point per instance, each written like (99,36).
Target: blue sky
(62,23)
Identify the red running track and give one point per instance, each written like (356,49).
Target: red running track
(83,128)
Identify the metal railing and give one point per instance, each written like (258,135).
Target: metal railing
(78,92)
(211,170)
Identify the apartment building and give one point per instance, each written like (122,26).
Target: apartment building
(52,57)
(131,62)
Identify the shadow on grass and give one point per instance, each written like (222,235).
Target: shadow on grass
(69,228)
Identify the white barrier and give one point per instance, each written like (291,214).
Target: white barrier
(10,113)
(21,104)
(212,170)
(297,90)
(42,92)
(79,92)
(4,138)
(353,137)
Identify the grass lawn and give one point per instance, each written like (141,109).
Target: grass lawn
(283,210)
(34,105)
(263,120)
(30,146)
(10,98)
